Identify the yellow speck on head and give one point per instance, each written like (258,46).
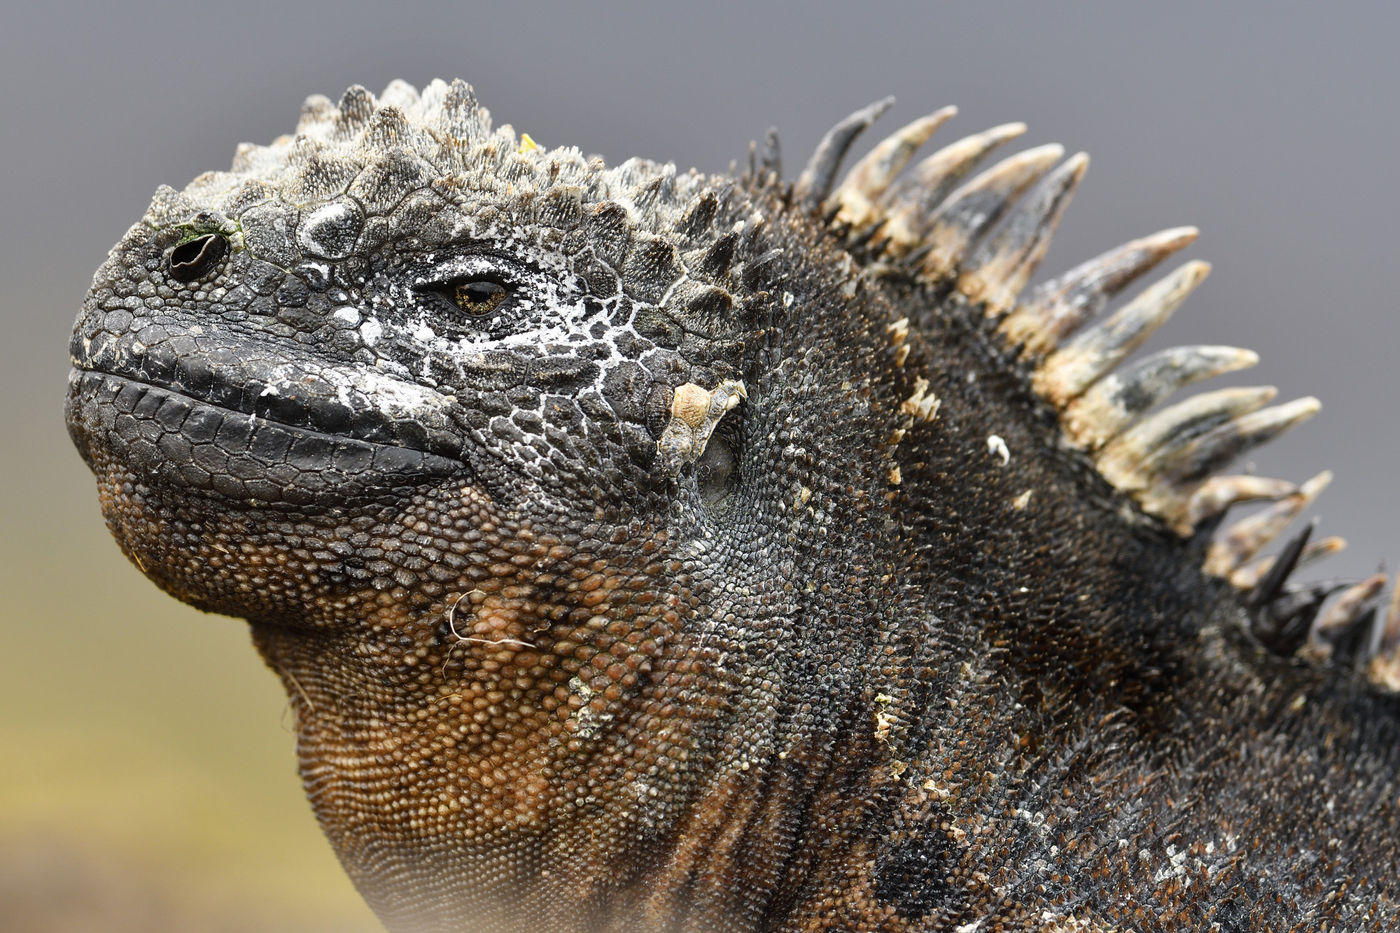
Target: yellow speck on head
(1021,501)
(527,144)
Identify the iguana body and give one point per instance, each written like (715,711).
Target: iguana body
(645,550)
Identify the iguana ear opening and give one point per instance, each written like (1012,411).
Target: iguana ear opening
(984,238)
(717,470)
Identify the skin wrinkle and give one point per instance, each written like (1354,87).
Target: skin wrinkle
(826,665)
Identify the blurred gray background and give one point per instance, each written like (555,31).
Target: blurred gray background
(146,766)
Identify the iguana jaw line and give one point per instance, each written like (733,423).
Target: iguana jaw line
(359,402)
(178,440)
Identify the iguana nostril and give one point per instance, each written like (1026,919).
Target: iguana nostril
(196,258)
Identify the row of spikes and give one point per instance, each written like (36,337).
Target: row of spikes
(986,236)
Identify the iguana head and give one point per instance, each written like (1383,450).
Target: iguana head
(601,520)
(399,298)
(503,453)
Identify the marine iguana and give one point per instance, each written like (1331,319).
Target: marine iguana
(647,550)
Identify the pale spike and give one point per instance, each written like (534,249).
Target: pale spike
(968,212)
(1250,575)
(869,179)
(771,160)
(1003,263)
(814,184)
(909,203)
(1203,456)
(1074,367)
(1133,460)
(1110,404)
(1176,470)
(1345,611)
(1244,538)
(1384,668)
(1218,493)
(1057,308)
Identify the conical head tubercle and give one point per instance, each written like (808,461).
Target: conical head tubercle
(441,142)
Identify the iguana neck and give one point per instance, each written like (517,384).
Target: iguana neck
(649,755)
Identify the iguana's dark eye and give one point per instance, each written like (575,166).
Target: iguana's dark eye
(478,297)
(196,258)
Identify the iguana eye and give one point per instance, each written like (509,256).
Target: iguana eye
(478,297)
(194,259)
(483,295)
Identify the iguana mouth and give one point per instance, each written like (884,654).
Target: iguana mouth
(169,438)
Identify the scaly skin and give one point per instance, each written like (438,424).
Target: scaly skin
(828,669)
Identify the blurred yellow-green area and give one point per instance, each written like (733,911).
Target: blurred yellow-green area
(147,767)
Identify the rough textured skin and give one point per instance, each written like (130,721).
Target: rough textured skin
(884,651)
